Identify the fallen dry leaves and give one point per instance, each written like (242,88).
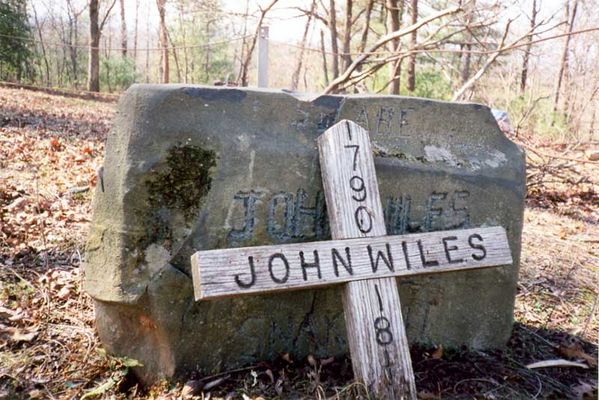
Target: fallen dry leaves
(50,149)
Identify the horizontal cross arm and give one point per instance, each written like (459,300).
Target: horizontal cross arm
(239,271)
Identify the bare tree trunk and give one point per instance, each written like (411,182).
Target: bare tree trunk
(107,50)
(93,69)
(365,30)
(73,17)
(95,31)
(347,35)
(466,57)
(334,38)
(346,76)
(412,58)
(207,63)
(185,49)
(175,57)
(501,47)
(364,37)
(324,59)
(524,74)
(564,62)
(567,110)
(123,30)
(148,45)
(244,43)
(39,31)
(300,58)
(467,47)
(164,67)
(135,31)
(394,15)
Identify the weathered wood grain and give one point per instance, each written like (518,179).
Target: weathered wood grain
(375,330)
(360,254)
(228,272)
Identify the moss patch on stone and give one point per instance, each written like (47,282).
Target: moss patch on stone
(184,180)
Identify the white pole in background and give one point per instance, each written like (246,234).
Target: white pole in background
(263,57)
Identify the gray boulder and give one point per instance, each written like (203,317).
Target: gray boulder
(190,168)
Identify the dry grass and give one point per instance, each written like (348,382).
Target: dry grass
(50,148)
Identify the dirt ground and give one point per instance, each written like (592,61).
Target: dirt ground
(50,148)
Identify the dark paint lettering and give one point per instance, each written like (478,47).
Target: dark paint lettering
(315,264)
(362,119)
(346,263)
(249,204)
(403,121)
(425,262)
(397,214)
(476,246)
(252,274)
(348,130)
(451,248)
(385,117)
(387,360)
(322,229)
(325,121)
(285,263)
(459,205)
(359,217)
(432,210)
(382,327)
(356,149)
(302,212)
(378,296)
(276,231)
(380,256)
(289,216)
(357,185)
(404,248)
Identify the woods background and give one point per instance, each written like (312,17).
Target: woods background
(535,59)
(64,63)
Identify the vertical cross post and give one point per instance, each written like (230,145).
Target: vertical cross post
(375,329)
(263,57)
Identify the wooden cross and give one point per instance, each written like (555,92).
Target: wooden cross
(361,255)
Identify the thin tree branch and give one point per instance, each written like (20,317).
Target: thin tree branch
(384,40)
(106,15)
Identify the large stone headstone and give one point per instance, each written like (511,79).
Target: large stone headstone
(193,168)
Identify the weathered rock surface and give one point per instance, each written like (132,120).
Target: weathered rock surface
(190,168)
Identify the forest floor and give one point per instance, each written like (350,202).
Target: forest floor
(50,148)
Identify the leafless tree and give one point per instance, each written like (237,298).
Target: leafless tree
(526,58)
(39,27)
(413,40)
(346,77)
(123,30)
(325,69)
(347,34)
(467,45)
(135,30)
(95,31)
(395,10)
(164,65)
(564,60)
(334,38)
(300,57)
(245,66)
